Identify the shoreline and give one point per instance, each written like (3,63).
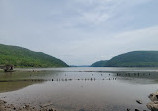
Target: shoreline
(4,106)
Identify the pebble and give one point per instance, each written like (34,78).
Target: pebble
(139,101)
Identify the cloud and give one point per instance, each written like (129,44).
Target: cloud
(97,48)
(80,31)
(94,18)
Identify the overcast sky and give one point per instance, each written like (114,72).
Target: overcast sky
(80,32)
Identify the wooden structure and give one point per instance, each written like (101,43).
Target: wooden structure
(7,68)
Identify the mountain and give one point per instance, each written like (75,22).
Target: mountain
(101,63)
(22,57)
(79,65)
(134,59)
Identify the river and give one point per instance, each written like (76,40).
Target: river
(80,89)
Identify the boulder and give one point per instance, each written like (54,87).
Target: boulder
(153,96)
(153,105)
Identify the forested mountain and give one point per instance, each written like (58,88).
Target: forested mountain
(134,59)
(101,63)
(22,57)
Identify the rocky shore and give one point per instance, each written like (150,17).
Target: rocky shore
(10,107)
(153,105)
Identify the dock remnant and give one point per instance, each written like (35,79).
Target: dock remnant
(7,67)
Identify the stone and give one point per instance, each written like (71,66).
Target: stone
(81,110)
(153,105)
(153,96)
(139,101)
(14,108)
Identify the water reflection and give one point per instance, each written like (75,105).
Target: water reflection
(138,77)
(89,89)
(12,86)
(10,81)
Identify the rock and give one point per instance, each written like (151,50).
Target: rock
(11,107)
(128,109)
(153,96)
(2,102)
(152,106)
(26,106)
(81,110)
(139,101)
(137,110)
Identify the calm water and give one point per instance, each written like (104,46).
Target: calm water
(84,89)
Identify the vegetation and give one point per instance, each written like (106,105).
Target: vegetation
(133,59)
(22,57)
(101,63)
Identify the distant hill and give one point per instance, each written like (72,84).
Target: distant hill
(22,57)
(101,63)
(133,59)
(79,65)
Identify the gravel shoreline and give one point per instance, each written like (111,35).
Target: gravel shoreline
(10,107)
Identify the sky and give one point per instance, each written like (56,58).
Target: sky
(80,32)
